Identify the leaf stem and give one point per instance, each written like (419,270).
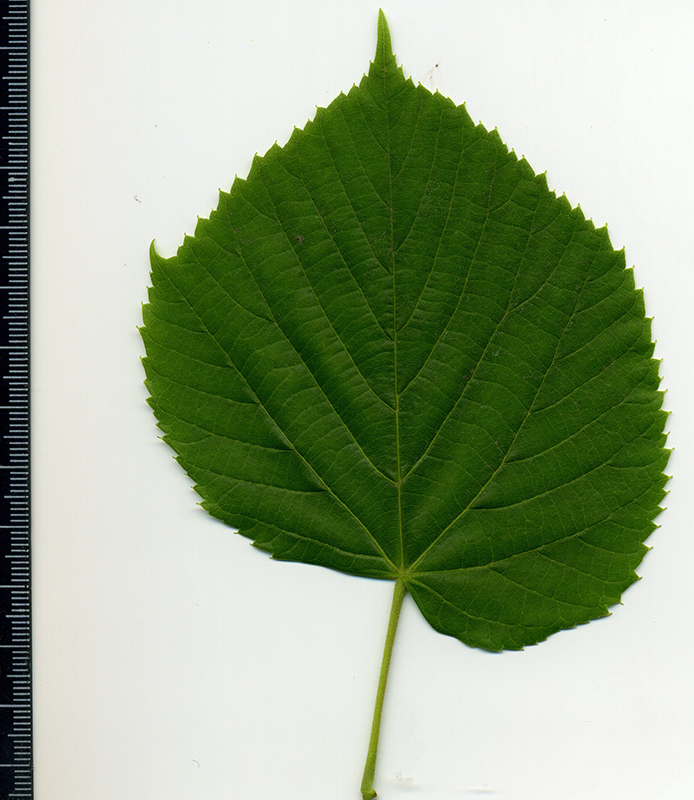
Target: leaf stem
(367,789)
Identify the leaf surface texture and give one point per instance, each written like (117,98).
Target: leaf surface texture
(392,351)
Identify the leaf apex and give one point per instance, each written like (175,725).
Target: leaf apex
(383,65)
(384,35)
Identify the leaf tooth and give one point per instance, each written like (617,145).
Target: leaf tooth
(577,212)
(603,230)
(563,200)
(236,185)
(495,136)
(272,155)
(200,226)
(524,164)
(256,164)
(321,111)
(541,180)
(295,132)
(462,108)
(510,150)
(188,241)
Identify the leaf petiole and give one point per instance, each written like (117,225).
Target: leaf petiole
(367,789)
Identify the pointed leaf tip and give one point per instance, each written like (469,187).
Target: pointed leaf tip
(383,32)
(384,60)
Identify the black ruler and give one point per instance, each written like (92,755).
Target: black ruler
(16,778)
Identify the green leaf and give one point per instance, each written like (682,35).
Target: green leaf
(394,352)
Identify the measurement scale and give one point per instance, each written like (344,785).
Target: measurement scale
(16,779)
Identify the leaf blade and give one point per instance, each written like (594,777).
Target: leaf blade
(392,351)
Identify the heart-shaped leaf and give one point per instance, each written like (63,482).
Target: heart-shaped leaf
(392,351)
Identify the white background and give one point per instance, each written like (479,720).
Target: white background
(172,660)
